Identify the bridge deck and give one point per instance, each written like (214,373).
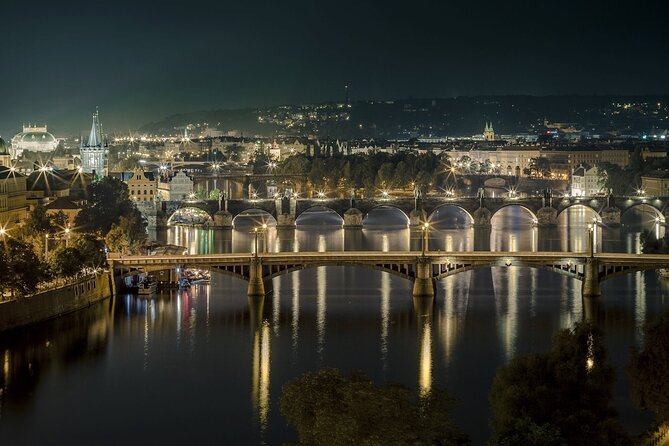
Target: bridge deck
(618,259)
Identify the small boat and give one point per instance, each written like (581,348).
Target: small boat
(664,273)
(184,282)
(147,287)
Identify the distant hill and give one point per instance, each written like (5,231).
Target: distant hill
(406,118)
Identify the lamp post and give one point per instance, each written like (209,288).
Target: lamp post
(591,239)
(264,237)
(425,228)
(67,236)
(255,233)
(46,246)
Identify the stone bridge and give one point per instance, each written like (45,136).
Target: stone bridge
(544,210)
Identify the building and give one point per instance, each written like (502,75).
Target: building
(142,186)
(61,204)
(13,204)
(585,182)
(95,151)
(5,156)
(34,139)
(176,188)
(488,132)
(656,184)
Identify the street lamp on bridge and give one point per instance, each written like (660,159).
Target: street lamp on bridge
(256,231)
(425,229)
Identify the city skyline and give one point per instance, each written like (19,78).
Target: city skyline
(141,63)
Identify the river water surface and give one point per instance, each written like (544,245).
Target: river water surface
(200,367)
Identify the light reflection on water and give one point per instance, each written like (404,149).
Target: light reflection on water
(206,355)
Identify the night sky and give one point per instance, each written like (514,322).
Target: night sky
(140,62)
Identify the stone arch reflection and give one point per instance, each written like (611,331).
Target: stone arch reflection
(450,216)
(573,228)
(386,216)
(513,228)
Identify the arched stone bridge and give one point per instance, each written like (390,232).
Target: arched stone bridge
(545,210)
(423,269)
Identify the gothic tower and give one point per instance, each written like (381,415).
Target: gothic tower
(95,150)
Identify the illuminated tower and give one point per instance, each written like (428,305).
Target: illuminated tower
(94,151)
(488,132)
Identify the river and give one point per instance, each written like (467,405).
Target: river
(198,367)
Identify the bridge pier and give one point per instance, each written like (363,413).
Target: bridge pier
(423,286)
(590,287)
(482,217)
(285,221)
(417,218)
(353,218)
(222,220)
(256,286)
(611,216)
(547,216)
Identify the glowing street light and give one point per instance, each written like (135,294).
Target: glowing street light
(425,229)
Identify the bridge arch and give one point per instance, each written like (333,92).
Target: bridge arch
(387,207)
(657,213)
(509,205)
(303,217)
(586,206)
(253,217)
(442,207)
(190,215)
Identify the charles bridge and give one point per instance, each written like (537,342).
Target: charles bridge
(544,210)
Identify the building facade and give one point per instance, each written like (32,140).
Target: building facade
(5,156)
(656,184)
(13,193)
(585,182)
(142,186)
(177,188)
(33,138)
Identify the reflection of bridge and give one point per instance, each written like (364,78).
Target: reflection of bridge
(423,269)
(544,210)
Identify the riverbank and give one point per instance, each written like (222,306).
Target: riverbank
(55,302)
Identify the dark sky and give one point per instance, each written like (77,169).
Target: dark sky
(140,61)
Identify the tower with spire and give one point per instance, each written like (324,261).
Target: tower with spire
(95,150)
(488,132)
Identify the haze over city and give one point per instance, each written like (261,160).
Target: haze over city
(141,61)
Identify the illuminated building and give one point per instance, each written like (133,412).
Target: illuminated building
(142,186)
(585,182)
(95,151)
(656,183)
(5,157)
(179,187)
(488,132)
(34,139)
(13,205)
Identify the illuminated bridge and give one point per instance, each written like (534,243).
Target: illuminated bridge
(424,269)
(480,210)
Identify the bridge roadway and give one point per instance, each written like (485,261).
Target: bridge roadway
(423,269)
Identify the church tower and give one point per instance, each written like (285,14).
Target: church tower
(488,132)
(94,152)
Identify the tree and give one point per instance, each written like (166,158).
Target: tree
(66,262)
(91,249)
(649,369)
(127,236)
(215,194)
(24,270)
(107,201)
(565,394)
(327,407)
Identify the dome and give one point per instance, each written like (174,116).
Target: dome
(37,137)
(3,147)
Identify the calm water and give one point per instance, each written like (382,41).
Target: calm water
(201,367)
